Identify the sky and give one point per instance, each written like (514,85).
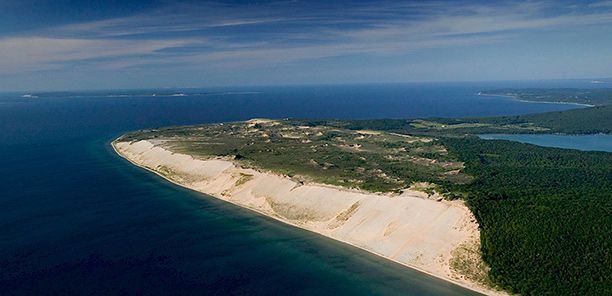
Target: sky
(87,44)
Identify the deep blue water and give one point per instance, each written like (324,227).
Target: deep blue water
(579,142)
(77,219)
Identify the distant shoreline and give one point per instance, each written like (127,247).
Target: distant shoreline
(528,101)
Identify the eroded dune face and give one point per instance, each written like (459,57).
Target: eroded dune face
(409,229)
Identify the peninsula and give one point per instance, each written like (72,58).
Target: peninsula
(364,188)
(426,193)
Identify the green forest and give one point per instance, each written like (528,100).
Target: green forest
(590,120)
(594,96)
(545,215)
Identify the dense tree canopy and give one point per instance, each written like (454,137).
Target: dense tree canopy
(545,213)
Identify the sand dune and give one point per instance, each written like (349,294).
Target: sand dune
(410,229)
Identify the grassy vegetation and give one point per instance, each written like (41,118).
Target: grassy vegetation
(545,213)
(467,261)
(372,161)
(243,179)
(434,127)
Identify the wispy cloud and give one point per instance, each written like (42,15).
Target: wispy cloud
(601,4)
(39,53)
(227,36)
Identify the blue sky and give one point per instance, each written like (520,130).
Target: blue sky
(64,44)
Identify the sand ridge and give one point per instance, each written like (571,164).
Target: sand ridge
(409,229)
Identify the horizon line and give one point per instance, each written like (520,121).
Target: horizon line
(601,80)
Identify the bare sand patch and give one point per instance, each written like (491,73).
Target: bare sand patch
(418,232)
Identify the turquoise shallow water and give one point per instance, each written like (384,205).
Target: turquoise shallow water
(579,142)
(77,219)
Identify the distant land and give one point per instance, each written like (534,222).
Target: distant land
(590,97)
(428,193)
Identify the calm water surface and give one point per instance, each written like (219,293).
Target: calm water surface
(77,219)
(579,142)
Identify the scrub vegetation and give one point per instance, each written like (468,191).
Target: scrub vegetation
(545,213)
(368,160)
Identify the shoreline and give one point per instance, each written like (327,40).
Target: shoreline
(481,94)
(463,282)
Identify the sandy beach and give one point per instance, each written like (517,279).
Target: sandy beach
(411,228)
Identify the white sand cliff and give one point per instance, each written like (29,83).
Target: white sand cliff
(410,229)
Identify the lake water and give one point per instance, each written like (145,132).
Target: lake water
(77,219)
(579,142)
